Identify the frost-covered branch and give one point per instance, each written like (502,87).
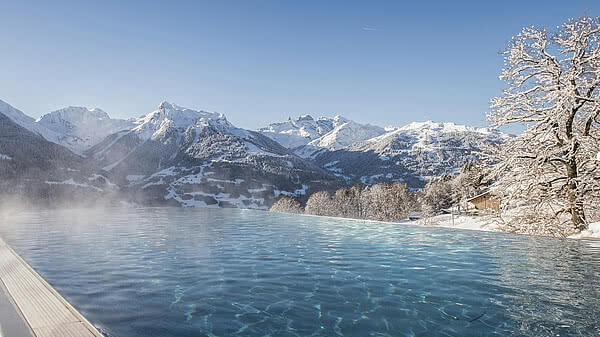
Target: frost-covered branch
(552,86)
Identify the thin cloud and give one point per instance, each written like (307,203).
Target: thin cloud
(369,29)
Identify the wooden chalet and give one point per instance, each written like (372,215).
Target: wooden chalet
(485,201)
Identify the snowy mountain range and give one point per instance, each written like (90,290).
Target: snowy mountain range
(179,156)
(412,153)
(329,133)
(366,154)
(198,158)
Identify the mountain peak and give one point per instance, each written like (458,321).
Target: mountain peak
(80,111)
(340,119)
(305,118)
(428,124)
(74,114)
(165,106)
(327,132)
(98,111)
(172,116)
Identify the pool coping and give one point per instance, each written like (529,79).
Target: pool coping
(44,311)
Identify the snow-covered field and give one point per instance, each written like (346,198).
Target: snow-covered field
(477,223)
(487,223)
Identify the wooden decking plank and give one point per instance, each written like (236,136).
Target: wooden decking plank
(66,330)
(44,309)
(37,304)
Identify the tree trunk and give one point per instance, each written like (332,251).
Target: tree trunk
(575,205)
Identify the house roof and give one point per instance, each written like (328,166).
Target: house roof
(479,195)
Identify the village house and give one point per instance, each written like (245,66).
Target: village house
(485,202)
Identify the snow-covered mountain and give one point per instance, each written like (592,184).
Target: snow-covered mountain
(76,128)
(25,151)
(301,131)
(197,158)
(171,117)
(411,153)
(345,134)
(82,128)
(362,153)
(29,123)
(325,132)
(39,170)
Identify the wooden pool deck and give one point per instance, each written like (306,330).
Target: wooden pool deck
(44,311)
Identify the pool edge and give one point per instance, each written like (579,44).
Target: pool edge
(47,316)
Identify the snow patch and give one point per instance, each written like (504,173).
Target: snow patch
(478,223)
(300,191)
(235,182)
(593,232)
(96,176)
(132,178)
(72,182)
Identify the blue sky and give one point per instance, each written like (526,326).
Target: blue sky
(381,62)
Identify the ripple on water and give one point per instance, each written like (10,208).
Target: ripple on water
(175,272)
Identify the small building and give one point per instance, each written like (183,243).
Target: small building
(485,201)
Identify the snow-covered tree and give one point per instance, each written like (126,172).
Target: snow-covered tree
(437,195)
(349,202)
(385,202)
(287,204)
(469,182)
(553,88)
(388,202)
(320,203)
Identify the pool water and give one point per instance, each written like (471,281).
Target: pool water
(223,272)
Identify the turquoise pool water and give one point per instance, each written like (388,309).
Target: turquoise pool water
(223,272)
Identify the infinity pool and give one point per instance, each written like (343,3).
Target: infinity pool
(223,272)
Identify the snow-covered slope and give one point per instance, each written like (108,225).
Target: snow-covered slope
(34,168)
(197,158)
(429,137)
(29,123)
(27,153)
(346,134)
(76,128)
(411,153)
(298,132)
(325,132)
(82,128)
